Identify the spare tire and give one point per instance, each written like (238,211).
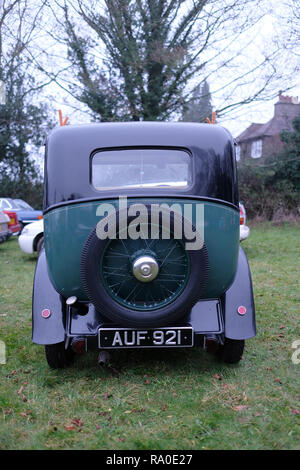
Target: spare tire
(143,282)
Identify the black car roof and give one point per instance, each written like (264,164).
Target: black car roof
(69,150)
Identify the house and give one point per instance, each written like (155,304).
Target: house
(263,140)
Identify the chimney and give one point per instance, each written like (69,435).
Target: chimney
(287,107)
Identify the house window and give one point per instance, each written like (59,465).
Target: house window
(238,153)
(256,149)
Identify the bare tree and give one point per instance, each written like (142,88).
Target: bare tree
(22,119)
(142,59)
(288,30)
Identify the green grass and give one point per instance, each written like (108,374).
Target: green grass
(153,399)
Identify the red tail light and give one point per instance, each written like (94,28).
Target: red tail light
(242,218)
(13,218)
(78,345)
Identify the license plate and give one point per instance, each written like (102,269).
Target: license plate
(179,337)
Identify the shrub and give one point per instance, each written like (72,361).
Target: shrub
(273,185)
(29,190)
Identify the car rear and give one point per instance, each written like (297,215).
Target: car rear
(141,241)
(5,233)
(13,224)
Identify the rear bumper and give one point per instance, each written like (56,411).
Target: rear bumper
(205,318)
(15,229)
(231,316)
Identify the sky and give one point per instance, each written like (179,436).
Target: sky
(263,112)
(237,122)
(259,112)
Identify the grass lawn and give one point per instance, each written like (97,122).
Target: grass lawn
(153,399)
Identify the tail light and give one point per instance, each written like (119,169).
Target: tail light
(242,215)
(39,217)
(13,218)
(242,218)
(79,345)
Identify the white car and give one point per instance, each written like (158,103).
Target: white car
(244,229)
(32,237)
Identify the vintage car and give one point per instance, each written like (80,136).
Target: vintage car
(141,234)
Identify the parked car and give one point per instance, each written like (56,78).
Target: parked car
(13,224)
(26,214)
(5,233)
(141,231)
(32,237)
(244,229)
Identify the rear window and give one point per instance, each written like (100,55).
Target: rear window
(141,168)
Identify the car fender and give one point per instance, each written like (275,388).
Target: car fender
(239,296)
(48,317)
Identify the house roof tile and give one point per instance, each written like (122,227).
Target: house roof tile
(279,122)
(272,127)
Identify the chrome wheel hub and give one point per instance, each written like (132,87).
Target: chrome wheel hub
(145,268)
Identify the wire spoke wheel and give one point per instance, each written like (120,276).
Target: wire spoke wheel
(121,282)
(138,280)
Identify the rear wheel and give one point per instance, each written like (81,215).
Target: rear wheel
(231,351)
(57,356)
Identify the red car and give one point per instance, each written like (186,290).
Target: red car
(13,225)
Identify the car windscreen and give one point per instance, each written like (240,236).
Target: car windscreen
(141,168)
(10,204)
(4,204)
(23,205)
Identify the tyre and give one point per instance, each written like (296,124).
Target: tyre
(57,356)
(113,278)
(231,351)
(40,245)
